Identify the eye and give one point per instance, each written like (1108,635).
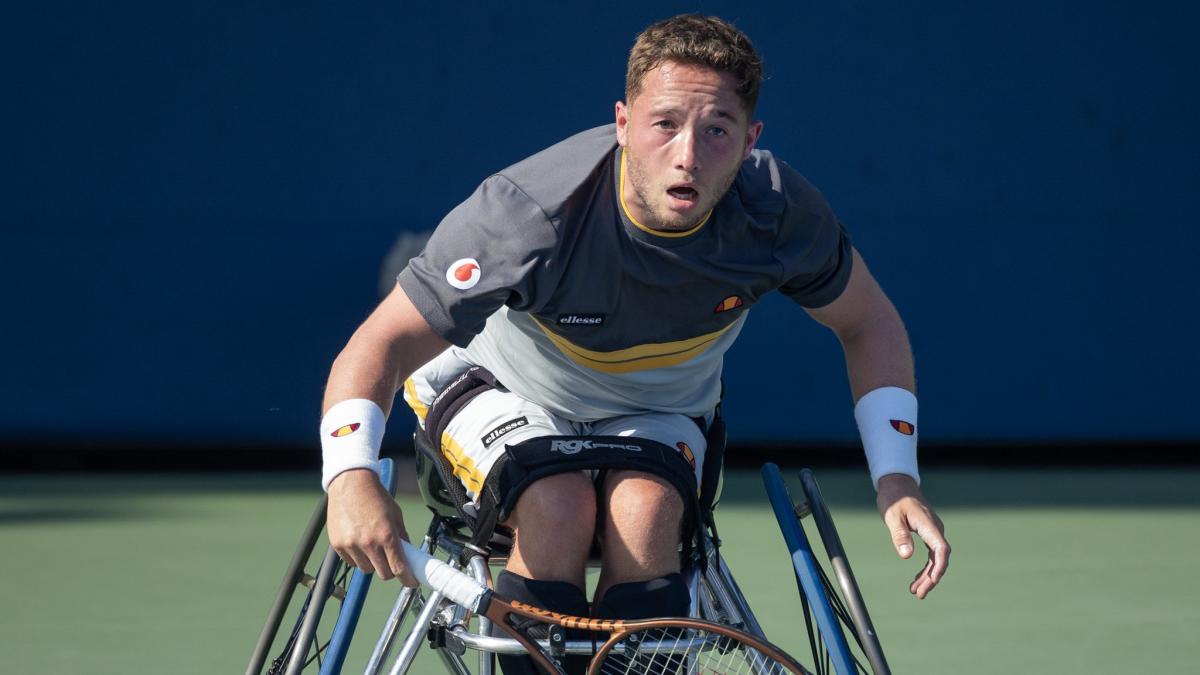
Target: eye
(664,124)
(717,131)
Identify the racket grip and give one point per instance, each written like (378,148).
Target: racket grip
(444,579)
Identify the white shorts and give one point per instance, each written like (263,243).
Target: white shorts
(476,436)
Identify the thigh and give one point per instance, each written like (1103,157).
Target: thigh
(643,513)
(553,526)
(475,437)
(640,527)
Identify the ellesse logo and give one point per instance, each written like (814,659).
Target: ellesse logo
(687,453)
(345,430)
(581,319)
(906,428)
(463,274)
(503,429)
(732,302)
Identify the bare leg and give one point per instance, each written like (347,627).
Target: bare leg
(640,536)
(554,521)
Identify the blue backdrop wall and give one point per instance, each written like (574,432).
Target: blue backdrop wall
(198,199)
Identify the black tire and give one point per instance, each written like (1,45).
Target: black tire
(855,606)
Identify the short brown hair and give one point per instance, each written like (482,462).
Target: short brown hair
(696,40)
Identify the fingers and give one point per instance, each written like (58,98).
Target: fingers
(397,561)
(386,560)
(380,565)
(922,584)
(939,549)
(365,526)
(920,580)
(898,529)
(367,557)
(355,558)
(929,528)
(907,513)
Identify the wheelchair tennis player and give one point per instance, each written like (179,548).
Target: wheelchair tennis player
(561,337)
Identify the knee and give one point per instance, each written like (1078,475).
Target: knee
(642,524)
(559,511)
(637,497)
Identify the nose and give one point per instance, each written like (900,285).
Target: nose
(686,157)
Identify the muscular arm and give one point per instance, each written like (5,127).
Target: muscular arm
(878,355)
(871,333)
(364,521)
(392,343)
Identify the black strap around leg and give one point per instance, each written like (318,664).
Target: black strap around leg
(534,459)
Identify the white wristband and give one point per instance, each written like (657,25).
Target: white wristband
(887,423)
(351,433)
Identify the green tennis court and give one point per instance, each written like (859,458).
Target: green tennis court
(1054,571)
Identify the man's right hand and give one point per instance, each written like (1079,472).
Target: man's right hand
(365,525)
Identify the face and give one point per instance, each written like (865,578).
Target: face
(684,137)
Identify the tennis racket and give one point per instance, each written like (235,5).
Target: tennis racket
(650,646)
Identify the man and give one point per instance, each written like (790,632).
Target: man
(600,282)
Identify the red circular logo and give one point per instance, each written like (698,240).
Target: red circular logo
(463,274)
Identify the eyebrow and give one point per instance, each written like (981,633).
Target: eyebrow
(667,110)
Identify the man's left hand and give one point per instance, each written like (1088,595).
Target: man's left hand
(904,511)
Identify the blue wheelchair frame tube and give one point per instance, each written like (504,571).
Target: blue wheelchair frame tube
(806,570)
(356,595)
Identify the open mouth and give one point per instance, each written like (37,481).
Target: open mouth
(686,194)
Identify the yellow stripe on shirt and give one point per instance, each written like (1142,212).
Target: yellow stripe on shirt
(639,357)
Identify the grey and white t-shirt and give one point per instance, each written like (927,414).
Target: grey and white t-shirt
(542,277)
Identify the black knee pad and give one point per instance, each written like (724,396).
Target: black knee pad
(556,596)
(662,596)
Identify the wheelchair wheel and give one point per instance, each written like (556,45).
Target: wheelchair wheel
(852,597)
(817,596)
(317,636)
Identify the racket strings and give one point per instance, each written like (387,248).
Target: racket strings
(662,651)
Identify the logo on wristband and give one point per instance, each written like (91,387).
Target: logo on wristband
(906,428)
(346,430)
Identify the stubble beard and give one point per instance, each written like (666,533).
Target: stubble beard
(663,218)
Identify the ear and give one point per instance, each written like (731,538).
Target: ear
(752,134)
(622,115)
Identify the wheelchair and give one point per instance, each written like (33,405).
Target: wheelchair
(320,632)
